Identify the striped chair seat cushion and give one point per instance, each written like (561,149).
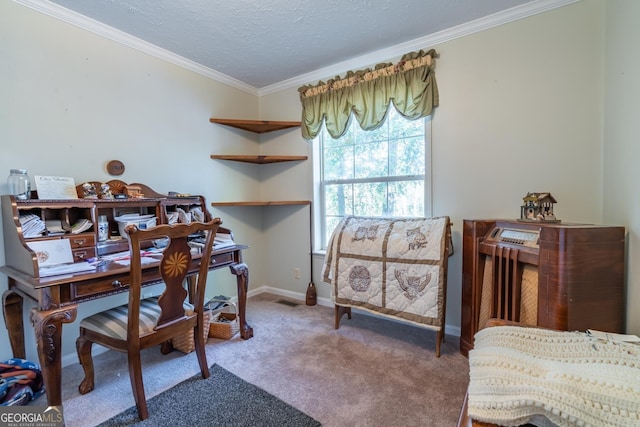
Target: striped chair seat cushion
(113,322)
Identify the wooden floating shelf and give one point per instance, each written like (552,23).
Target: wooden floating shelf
(278,203)
(256,126)
(261,160)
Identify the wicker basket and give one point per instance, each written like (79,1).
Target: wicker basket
(225,324)
(185,343)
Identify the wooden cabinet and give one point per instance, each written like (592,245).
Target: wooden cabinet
(258,127)
(557,276)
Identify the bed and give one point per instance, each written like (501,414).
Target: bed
(394,267)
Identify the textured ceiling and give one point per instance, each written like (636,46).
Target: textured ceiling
(264,42)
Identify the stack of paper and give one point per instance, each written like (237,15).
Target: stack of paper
(55,270)
(81,225)
(223,240)
(32,225)
(197,214)
(54,226)
(172,217)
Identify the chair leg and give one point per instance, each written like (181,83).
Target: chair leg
(83,348)
(200,350)
(135,376)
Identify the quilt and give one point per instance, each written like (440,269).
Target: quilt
(395,267)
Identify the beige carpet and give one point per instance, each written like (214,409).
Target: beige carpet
(370,372)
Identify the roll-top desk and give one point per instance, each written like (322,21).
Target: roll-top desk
(553,275)
(58,296)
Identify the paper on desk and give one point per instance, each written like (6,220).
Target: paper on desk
(52,252)
(55,187)
(143,260)
(223,240)
(65,269)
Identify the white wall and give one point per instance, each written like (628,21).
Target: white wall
(72,101)
(621,201)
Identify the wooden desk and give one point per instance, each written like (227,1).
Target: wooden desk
(57,299)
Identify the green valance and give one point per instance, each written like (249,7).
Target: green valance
(410,85)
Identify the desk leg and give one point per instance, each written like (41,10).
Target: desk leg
(48,329)
(12,310)
(241,271)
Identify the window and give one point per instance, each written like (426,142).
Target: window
(383,172)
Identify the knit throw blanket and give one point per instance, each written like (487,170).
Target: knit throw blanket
(518,374)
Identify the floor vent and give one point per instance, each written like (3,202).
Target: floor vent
(289,303)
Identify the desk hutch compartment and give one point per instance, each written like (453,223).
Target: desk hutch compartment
(112,209)
(55,218)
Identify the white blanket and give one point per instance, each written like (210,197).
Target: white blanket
(395,267)
(520,374)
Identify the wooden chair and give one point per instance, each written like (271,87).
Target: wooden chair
(145,323)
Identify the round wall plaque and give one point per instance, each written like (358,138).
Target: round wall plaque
(115,167)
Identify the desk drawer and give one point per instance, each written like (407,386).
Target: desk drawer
(83,240)
(83,253)
(218,260)
(92,288)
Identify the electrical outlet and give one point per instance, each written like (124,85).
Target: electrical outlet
(296,273)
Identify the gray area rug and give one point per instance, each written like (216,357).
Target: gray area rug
(221,400)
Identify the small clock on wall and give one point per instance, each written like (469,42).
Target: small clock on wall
(115,167)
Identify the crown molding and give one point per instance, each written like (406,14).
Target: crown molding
(426,42)
(519,12)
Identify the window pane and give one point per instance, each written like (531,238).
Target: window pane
(406,198)
(406,156)
(338,163)
(370,199)
(371,160)
(338,199)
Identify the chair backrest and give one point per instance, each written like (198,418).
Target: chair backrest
(176,263)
